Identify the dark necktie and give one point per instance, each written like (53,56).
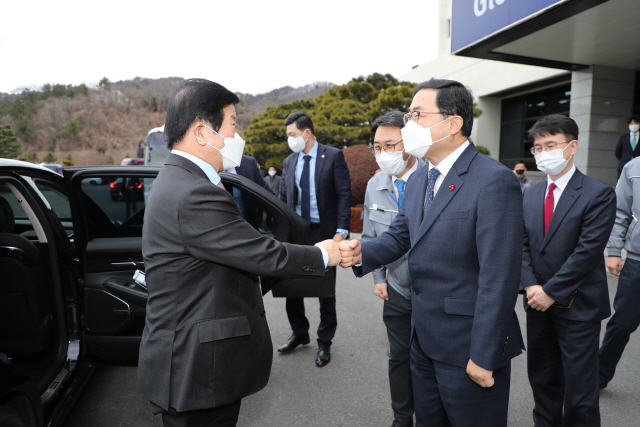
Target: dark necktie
(400,184)
(305,197)
(548,207)
(433,176)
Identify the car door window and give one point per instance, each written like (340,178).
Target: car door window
(115,204)
(254,210)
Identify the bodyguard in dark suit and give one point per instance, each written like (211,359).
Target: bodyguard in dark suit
(460,224)
(316,183)
(629,144)
(206,341)
(249,169)
(568,219)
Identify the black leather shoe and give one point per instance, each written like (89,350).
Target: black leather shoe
(324,355)
(293,342)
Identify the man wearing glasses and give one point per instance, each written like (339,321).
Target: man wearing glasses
(568,219)
(382,200)
(460,225)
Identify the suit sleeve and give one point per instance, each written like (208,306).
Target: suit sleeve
(527,278)
(282,194)
(597,223)
(213,230)
(624,196)
(368,233)
(499,246)
(342,183)
(387,247)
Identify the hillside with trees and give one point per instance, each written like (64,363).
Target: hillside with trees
(93,126)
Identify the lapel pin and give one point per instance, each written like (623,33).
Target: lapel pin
(323,156)
(452,187)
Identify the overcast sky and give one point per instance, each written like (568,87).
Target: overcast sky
(246,45)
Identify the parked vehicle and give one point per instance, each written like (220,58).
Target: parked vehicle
(131,161)
(115,189)
(68,254)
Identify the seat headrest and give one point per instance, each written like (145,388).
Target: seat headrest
(7,220)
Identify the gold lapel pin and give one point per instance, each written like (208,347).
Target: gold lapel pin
(323,156)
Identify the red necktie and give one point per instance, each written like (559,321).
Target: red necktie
(548,207)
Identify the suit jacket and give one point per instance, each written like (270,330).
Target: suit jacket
(249,169)
(275,186)
(624,153)
(464,261)
(569,260)
(206,340)
(333,189)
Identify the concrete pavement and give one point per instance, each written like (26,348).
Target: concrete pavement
(353,389)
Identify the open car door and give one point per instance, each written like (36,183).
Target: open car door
(108,205)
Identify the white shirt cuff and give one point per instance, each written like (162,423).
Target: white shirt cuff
(325,255)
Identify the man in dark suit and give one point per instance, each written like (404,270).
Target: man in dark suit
(316,183)
(461,225)
(249,169)
(130,191)
(629,144)
(206,341)
(568,219)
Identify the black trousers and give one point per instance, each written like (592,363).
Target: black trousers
(624,321)
(396,314)
(444,395)
(562,362)
(220,416)
(328,319)
(130,199)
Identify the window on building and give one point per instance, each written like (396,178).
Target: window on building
(518,116)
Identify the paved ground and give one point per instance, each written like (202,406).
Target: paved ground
(352,390)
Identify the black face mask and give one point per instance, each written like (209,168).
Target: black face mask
(520,171)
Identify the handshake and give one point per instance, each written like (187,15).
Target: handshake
(345,254)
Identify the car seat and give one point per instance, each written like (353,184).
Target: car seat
(25,319)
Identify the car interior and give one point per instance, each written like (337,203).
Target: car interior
(29,336)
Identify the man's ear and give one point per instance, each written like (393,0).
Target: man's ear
(456,125)
(198,131)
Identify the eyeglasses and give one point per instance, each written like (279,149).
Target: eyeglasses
(550,147)
(414,116)
(387,148)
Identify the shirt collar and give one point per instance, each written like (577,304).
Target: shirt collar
(562,182)
(313,152)
(447,163)
(206,167)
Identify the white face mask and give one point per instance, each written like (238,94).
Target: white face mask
(272,173)
(634,128)
(552,162)
(417,139)
(297,143)
(231,152)
(391,163)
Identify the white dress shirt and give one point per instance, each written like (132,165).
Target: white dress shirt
(446,164)
(561,183)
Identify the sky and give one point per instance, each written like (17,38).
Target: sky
(248,46)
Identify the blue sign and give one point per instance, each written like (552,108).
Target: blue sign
(473,20)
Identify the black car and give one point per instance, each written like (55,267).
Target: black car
(115,188)
(67,298)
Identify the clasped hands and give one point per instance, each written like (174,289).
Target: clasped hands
(345,253)
(538,298)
